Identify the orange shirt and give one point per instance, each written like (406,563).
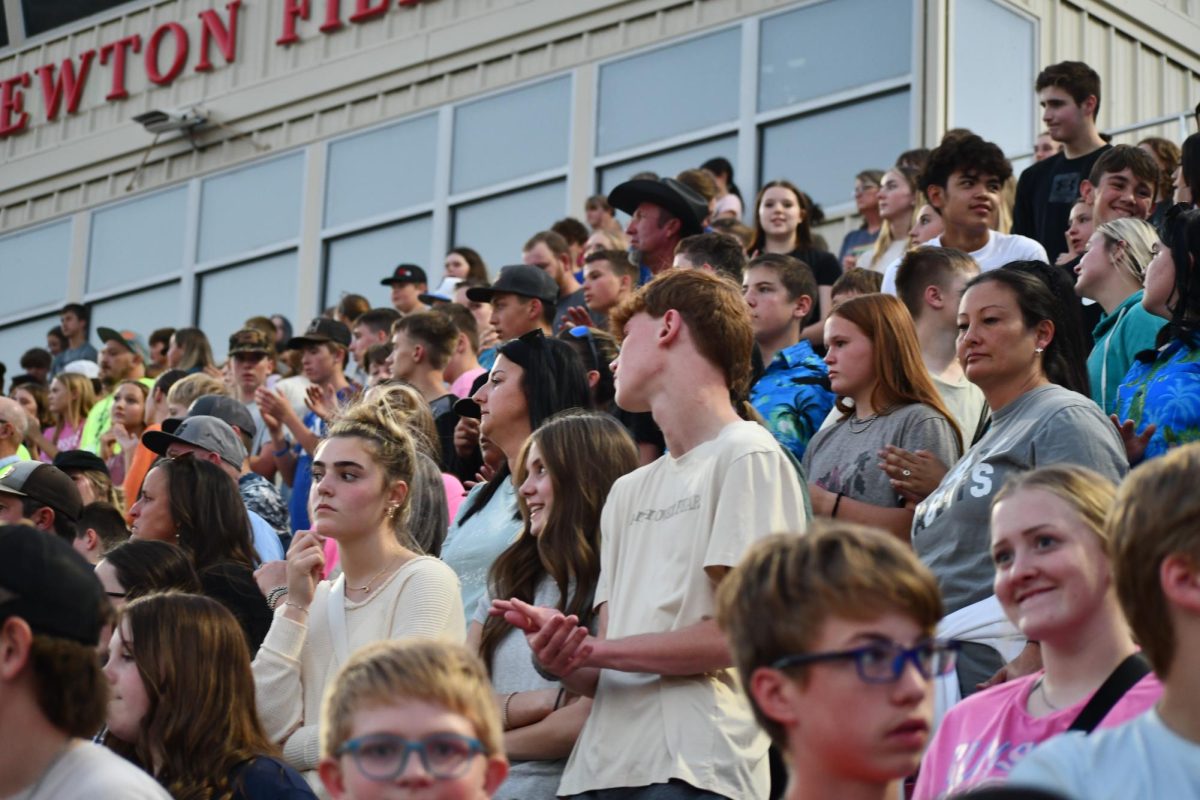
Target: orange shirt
(142,461)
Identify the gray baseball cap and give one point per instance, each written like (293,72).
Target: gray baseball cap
(211,434)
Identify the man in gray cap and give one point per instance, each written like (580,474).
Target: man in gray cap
(52,693)
(213,440)
(523,298)
(662,212)
(41,493)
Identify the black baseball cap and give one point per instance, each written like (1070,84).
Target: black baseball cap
(466,406)
(320,330)
(519,279)
(45,484)
(405,273)
(50,586)
(679,199)
(82,460)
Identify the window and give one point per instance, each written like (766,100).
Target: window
(831,47)
(16,339)
(33,267)
(999,103)
(228,297)
(142,312)
(671,162)
(251,208)
(41,15)
(381,171)
(669,91)
(511,135)
(356,264)
(822,152)
(137,240)
(499,226)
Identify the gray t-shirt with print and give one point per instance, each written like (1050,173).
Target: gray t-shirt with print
(845,457)
(1048,425)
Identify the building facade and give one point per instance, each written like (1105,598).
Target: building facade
(345,136)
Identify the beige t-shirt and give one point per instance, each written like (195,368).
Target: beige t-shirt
(966,402)
(89,771)
(296,662)
(662,525)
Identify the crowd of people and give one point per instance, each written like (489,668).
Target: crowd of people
(692,508)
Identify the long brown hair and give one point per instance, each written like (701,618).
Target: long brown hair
(584,454)
(804,238)
(202,719)
(900,374)
(80,399)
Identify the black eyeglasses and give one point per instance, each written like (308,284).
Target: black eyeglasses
(883,662)
(384,757)
(584,332)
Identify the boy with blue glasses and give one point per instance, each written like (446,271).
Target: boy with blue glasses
(832,634)
(412,718)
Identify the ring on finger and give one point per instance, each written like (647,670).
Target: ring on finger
(906,473)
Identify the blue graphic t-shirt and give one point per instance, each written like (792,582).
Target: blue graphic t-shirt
(794,397)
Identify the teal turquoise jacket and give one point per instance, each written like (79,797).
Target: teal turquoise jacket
(1119,336)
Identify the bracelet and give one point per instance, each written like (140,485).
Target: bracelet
(837,503)
(540,670)
(504,710)
(274,595)
(558,700)
(296,606)
(283,452)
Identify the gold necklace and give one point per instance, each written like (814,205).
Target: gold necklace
(374,577)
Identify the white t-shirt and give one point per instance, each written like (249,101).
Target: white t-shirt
(93,772)
(661,527)
(1142,758)
(1000,249)
(966,402)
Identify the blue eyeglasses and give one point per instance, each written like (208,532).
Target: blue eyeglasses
(384,757)
(884,662)
(584,332)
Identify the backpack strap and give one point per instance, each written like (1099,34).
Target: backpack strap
(1128,672)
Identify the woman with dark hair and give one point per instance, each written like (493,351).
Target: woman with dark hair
(193,503)
(783,224)
(189,351)
(564,472)
(1187,184)
(875,362)
(134,569)
(1157,403)
(1011,344)
(466,264)
(728,202)
(534,377)
(182,703)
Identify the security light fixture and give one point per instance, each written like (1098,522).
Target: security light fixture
(159,121)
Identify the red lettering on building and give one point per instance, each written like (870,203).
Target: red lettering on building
(213,30)
(333,16)
(292,11)
(363,10)
(181,51)
(69,83)
(12,102)
(118,50)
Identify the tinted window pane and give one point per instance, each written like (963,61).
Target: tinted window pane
(821,153)
(381,171)
(142,312)
(669,91)
(228,297)
(42,15)
(999,103)
(33,267)
(355,264)
(671,162)
(830,47)
(251,207)
(511,135)
(16,339)
(499,226)
(137,240)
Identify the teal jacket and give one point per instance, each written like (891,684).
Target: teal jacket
(1119,336)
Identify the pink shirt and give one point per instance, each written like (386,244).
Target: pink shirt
(462,384)
(67,440)
(982,738)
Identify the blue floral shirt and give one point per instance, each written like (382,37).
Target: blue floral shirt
(794,397)
(1165,392)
